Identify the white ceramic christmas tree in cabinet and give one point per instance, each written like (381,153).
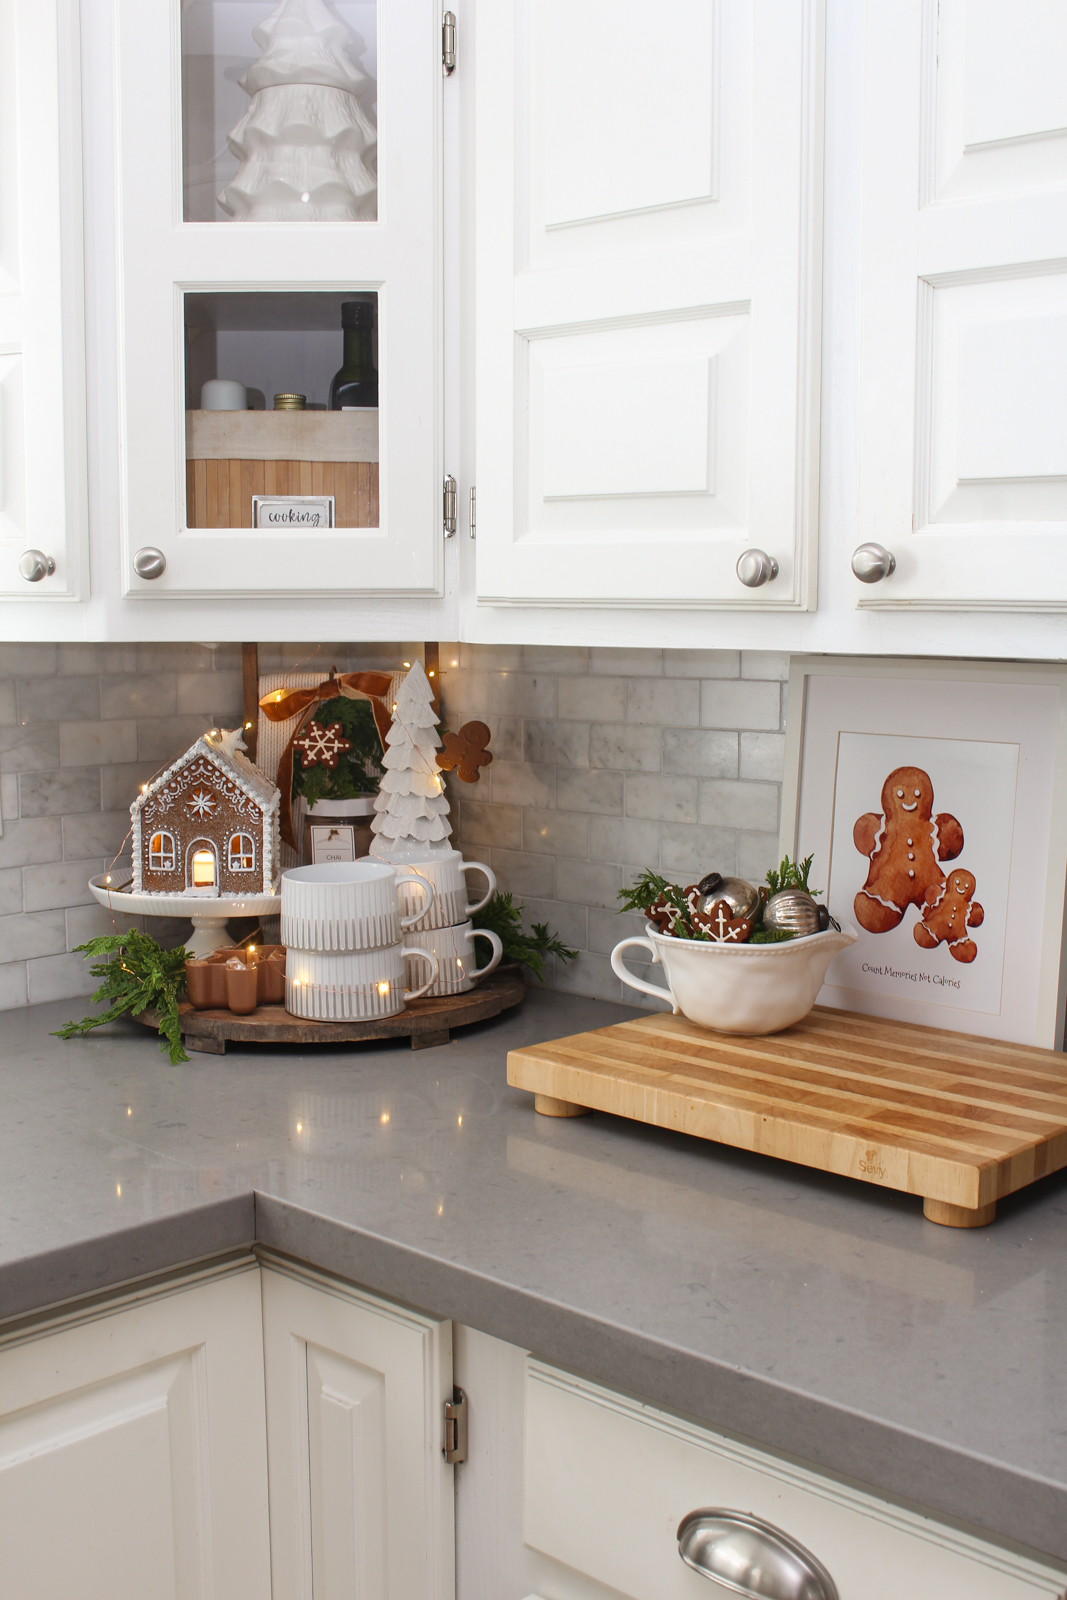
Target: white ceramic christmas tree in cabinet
(411,811)
(303,140)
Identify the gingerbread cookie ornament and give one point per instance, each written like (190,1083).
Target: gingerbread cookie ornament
(948,912)
(906,845)
(466,751)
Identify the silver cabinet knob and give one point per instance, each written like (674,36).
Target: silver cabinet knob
(751,1557)
(149,562)
(755,568)
(873,562)
(35,565)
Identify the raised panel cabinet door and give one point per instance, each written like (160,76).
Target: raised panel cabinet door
(647,266)
(361,1499)
(256,283)
(43,484)
(133,1452)
(963,383)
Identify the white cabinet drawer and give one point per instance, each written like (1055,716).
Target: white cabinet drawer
(607,1481)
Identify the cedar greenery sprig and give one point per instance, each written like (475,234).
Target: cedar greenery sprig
(650,887)
(791,876)
(140,976)
(502,916)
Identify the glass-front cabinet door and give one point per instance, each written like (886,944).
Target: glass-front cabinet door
(280,296)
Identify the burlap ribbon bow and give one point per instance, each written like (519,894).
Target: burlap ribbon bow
(281,704)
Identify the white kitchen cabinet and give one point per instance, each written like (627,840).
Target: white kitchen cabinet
(259,292)
(42,379)
(576,1492)
(361,1498)
(647,246)
(963,394)
(133,1449)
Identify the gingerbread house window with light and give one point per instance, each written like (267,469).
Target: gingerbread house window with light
(208,825)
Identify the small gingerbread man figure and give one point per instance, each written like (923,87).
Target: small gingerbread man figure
(948,913)
(906,845)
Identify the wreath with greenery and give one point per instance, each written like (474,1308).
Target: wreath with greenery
(358,770)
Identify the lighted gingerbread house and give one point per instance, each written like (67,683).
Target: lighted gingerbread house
(208,825)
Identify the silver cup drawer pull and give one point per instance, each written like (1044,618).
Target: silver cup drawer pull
(751,1557)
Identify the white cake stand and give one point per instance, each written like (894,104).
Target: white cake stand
(210,916)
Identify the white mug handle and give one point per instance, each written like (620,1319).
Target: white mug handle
(480,866)
(425,955)
(428,889)
(498,951)
(619,968)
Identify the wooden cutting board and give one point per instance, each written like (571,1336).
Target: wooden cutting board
(956,1119)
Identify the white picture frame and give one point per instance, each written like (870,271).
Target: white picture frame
(991,740)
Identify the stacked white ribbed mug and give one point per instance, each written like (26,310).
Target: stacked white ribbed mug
(347,941)
(446,931)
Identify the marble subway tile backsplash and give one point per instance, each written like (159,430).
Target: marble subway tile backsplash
(610,761)
(605,762)
(81,727)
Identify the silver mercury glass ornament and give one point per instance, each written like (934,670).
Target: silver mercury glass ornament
(740,896)
(793,911)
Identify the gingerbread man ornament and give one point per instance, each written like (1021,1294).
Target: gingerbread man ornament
(947,914)
(464,752)
(906,845)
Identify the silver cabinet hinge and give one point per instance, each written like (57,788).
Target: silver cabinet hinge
(449,506)
(448,43)
(455,1446)
(474,513)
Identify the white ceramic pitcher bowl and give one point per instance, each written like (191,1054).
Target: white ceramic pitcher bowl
(737,988)
(350,905)
(454,949)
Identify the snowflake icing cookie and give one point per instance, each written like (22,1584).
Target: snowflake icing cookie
(905,845)
(948,912)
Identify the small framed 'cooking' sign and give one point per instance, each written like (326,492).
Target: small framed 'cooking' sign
(287,511)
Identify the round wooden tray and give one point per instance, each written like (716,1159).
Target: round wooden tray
(427,1022)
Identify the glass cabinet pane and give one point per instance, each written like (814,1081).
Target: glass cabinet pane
(281,421)
(279,110)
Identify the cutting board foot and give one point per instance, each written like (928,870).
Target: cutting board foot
(958,1216)
(550,1107)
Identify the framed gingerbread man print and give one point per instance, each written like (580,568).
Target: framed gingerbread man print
(933,795)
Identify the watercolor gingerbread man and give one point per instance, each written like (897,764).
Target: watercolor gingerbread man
(947,914)
(906,845)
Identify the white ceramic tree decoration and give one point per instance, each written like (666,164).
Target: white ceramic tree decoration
(301,144)
(411,812)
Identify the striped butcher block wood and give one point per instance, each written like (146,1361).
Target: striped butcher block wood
(956,1119)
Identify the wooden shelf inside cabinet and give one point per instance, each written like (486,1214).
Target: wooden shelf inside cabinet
(232,455)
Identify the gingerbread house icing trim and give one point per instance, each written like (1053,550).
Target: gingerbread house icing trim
(250,795)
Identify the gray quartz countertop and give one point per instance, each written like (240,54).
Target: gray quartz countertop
(812,1315)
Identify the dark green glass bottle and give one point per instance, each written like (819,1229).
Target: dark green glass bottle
(355,386)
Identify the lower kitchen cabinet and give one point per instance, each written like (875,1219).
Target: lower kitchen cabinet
(263,1430)
(361,1498)
(133,1460)
(573,1492)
